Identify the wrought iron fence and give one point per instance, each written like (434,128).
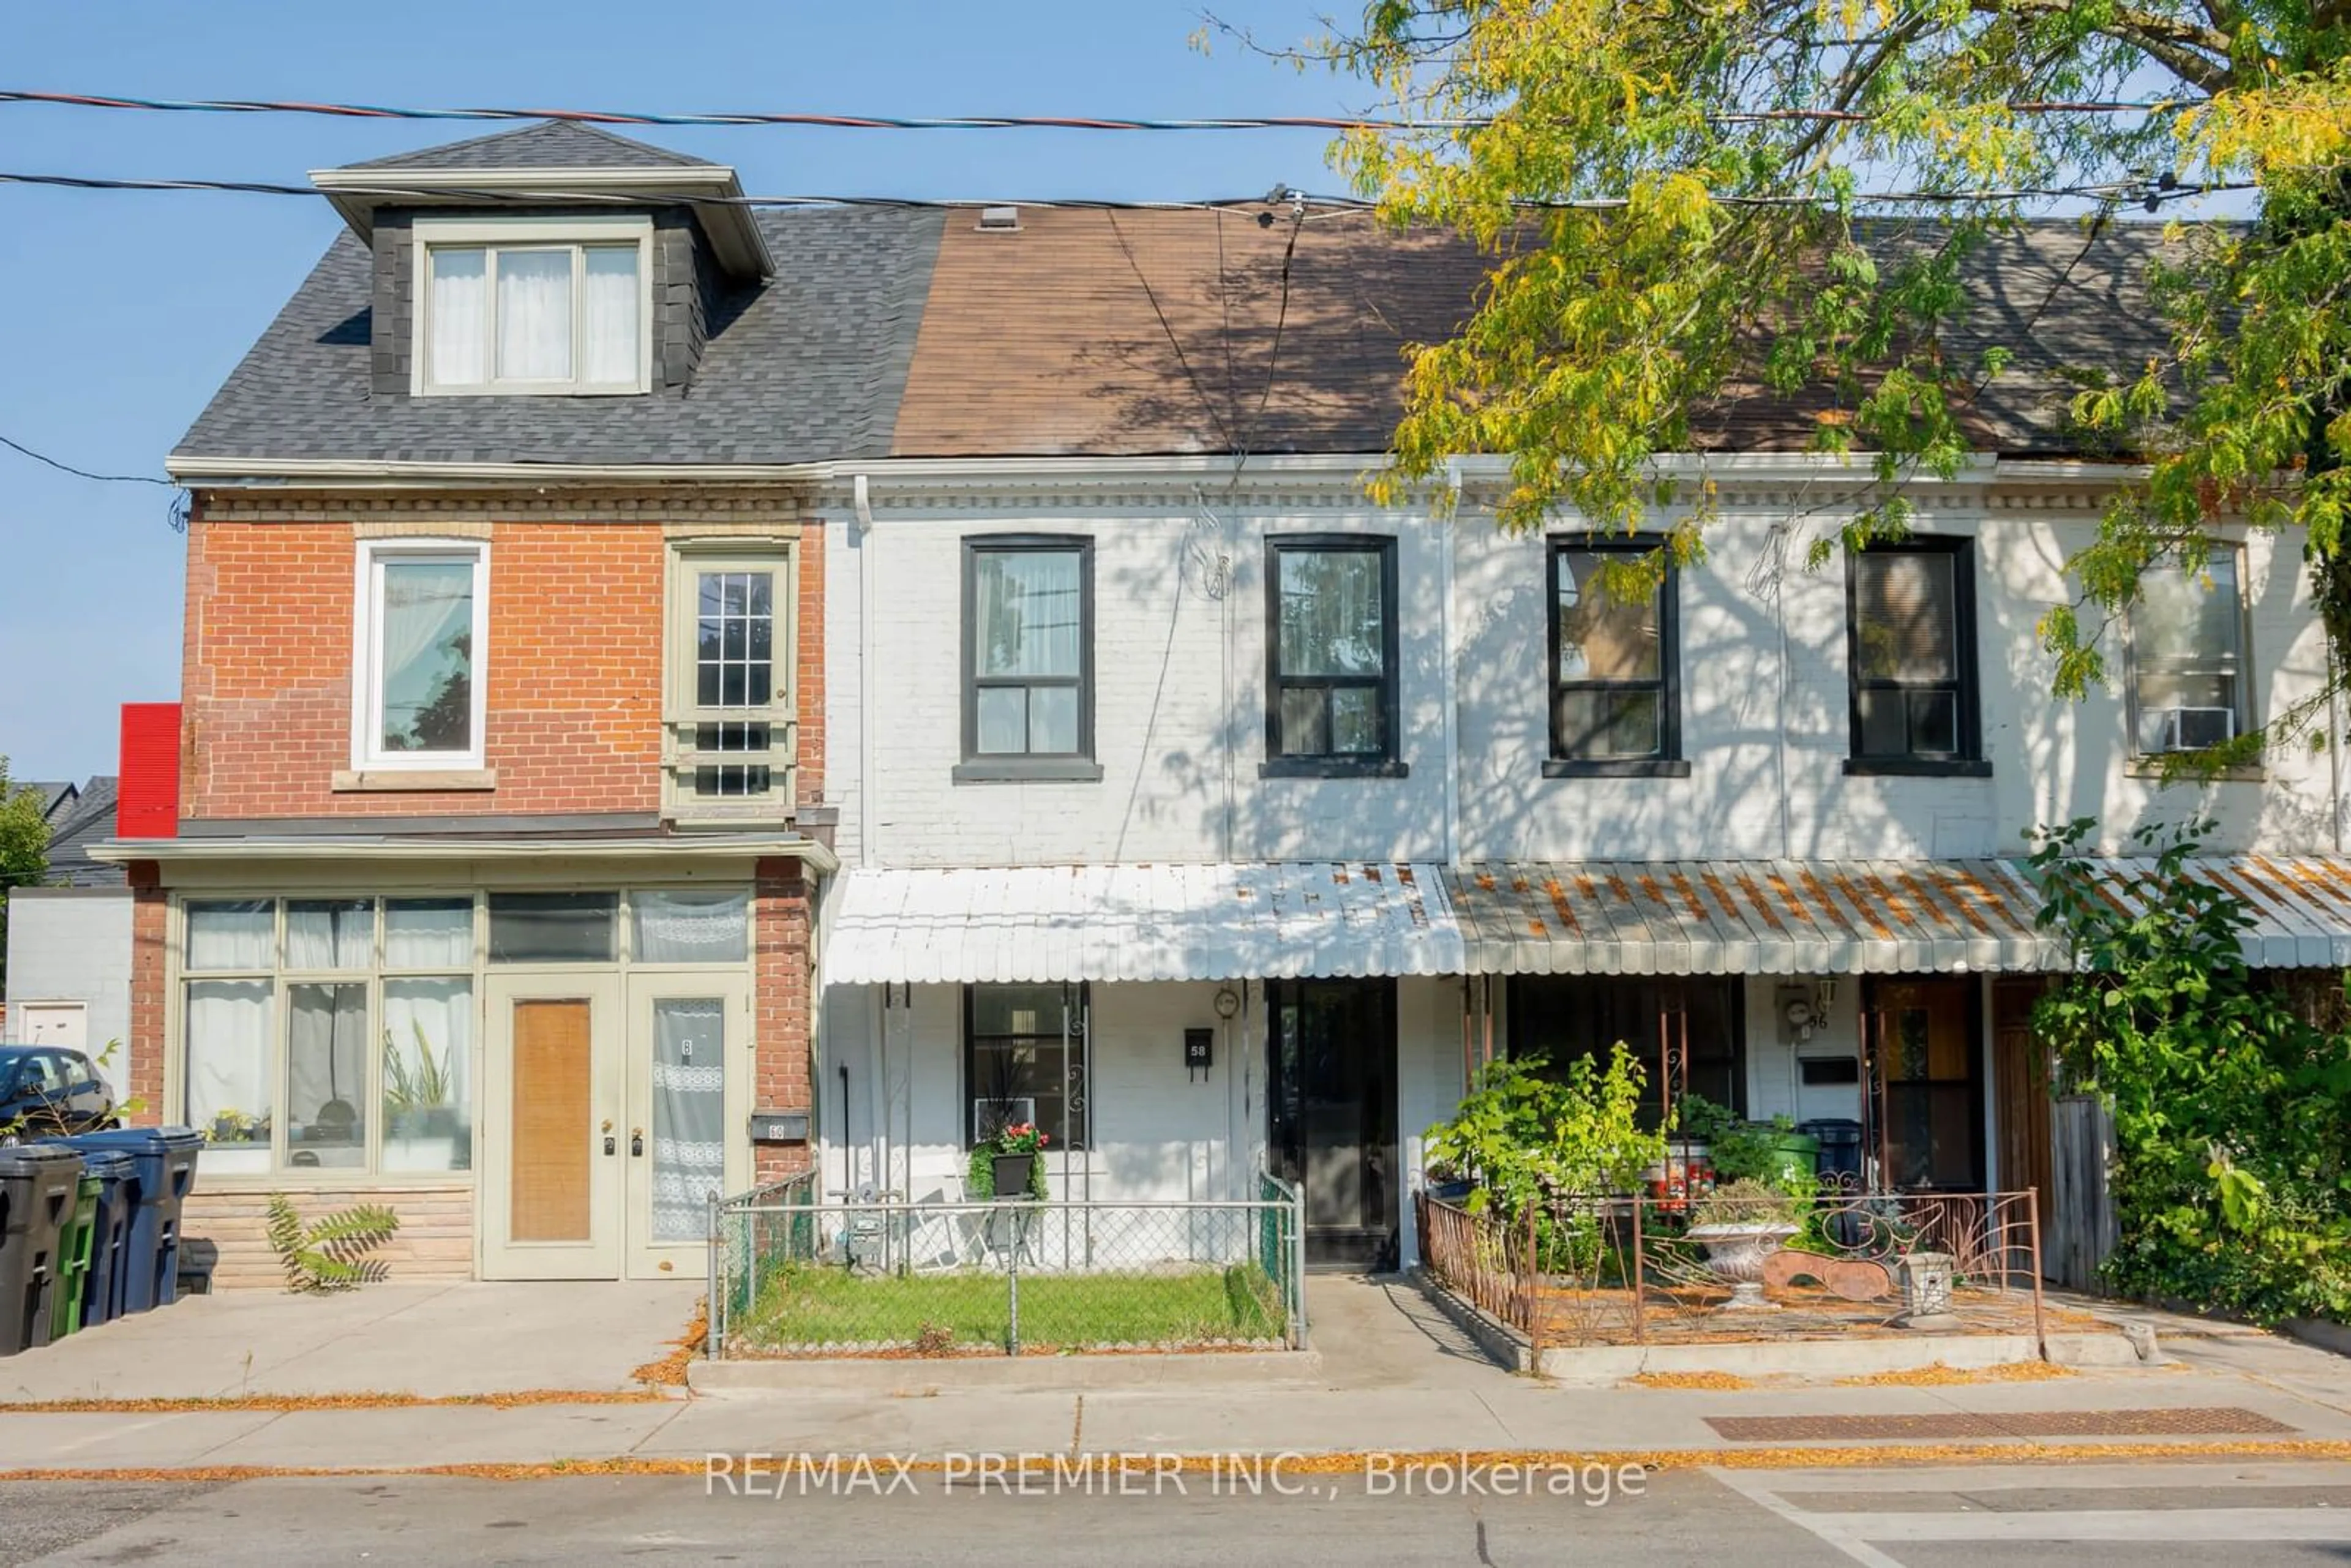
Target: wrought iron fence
(1633,1271)
(791,1276)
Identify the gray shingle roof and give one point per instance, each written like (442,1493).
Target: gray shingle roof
(553,144)
(89,821)
(911,333)
(803,369)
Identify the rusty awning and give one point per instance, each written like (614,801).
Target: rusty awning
(1848,917)
(1748,917)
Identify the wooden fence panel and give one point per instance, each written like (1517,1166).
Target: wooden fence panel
(2082,1217)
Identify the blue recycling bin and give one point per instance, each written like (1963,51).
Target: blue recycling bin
(163,1162)
(117,1171)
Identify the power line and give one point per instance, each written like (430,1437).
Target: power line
(62,467)
(981,122)
(2136,190)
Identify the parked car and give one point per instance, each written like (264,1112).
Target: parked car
(45,1092)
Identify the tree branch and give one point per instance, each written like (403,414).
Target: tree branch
(2172,44)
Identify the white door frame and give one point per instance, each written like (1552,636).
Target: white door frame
(649,1259)
(599,1255)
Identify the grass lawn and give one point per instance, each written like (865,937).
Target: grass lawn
(808,1305)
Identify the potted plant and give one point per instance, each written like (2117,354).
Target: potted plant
(236,1141)
(1740,1223)
(422,1130)
(1012,1164)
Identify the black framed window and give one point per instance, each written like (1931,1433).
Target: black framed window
(1616,702)
(2188,684)
(1028,658)
(1330,657)
(1563,1018)
(1911,643)
(1024,1059)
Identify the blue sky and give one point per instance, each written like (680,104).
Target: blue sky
(120,313)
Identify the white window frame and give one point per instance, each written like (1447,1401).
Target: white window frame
(684,714)
(367,684)
(527,234)
(2243,717)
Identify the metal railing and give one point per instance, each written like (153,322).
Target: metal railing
(1636,1271)
(794,1276)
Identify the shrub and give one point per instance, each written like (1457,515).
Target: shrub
(2231,1175)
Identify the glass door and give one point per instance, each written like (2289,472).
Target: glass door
(1929,1075)
(688,1108)
(553,1092)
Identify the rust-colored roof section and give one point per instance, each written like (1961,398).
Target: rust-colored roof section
(1097,333)
(1049,340)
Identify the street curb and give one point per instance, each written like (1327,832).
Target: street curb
(2318,1331)
(1015,1373)
(1355,1462)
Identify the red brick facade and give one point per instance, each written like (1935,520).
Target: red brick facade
(574,668)
(574,700)
(780,1007)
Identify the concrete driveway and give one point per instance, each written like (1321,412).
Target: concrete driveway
(433,1341)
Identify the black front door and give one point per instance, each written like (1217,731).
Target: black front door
(1333,1108)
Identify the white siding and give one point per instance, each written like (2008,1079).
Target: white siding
(74,945)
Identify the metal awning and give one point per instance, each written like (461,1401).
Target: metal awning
(1213,922)
(1747,917)
(1049,924)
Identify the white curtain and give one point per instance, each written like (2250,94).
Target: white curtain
(325,1075)
(610,327)
(535,315)
(425,619)
(692,927)
(428,933)
(428,1074)
(689,1114)
(330,935)
(231,936)
(457,312)
(229,1058)
(1025,613)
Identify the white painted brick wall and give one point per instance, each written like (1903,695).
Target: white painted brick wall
(1175,634)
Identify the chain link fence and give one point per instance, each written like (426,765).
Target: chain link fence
(791,1276)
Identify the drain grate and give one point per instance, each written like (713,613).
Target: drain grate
(2195,1420)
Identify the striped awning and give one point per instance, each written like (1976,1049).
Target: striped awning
(1211,922)
(1747,917)
(1288,920)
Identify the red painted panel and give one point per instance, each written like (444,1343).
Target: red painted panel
(148,806)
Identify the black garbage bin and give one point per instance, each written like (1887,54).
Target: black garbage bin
(38,1186)
(165,1159)
(1840,1152)
(110,1239)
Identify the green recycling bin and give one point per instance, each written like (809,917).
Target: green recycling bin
(74,1239)
(1794,1157)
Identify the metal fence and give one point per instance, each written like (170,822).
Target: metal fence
(792,1275)
(1627,1270)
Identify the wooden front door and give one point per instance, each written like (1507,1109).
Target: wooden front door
(1926,1071)
(2021,1092)
(556,1165)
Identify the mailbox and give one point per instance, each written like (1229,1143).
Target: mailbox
(780,1127)
(1199,1050)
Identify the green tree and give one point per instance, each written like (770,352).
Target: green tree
(2232,1102)
(24,852)
(1684,200)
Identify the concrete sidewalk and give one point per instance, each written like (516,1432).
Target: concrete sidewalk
(432,1340)
(1393,1374)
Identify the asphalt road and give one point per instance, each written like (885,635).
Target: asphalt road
(2146,1516)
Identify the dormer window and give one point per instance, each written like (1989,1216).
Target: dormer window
(534,305)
